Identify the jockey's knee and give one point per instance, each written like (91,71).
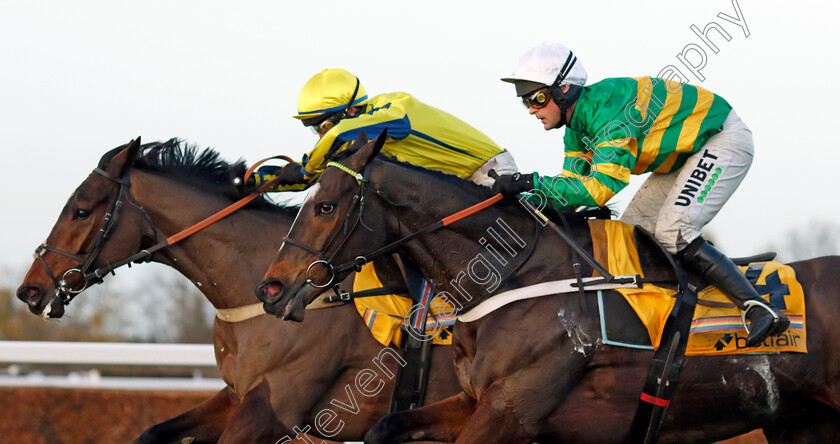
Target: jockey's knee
(675,238)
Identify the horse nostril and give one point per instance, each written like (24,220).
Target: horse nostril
(273,288)
(29,294)
(270,289)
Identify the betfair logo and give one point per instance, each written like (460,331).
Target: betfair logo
(740,342)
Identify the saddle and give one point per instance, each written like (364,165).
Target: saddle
(637,317)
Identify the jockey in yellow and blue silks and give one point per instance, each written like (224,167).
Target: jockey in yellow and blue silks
(336,106)
(692,142)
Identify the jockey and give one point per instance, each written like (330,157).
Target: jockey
(691,140)
(334,104)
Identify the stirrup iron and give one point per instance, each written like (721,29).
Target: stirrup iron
(757,303)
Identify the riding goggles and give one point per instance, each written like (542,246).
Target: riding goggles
(323,127)
(537,99)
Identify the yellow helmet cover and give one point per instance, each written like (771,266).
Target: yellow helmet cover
(329,91)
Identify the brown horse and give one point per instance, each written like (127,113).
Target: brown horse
(535,370)
(281,378)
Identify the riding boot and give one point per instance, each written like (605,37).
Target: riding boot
(720,271)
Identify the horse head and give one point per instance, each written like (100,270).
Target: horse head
(321,235)
(96,227)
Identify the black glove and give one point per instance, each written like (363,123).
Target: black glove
(510,185)
(290,174)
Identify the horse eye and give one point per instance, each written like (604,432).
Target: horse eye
(326,208)
(81,214)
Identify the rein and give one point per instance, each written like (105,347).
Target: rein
(357,263)
(62,286)
(63,289)
(146,254)
(360,261)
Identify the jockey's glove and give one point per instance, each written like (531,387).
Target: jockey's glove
(511,185)
(291,174)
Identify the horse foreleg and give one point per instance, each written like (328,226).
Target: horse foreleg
(204,423)
(441,422)
(255,420)
(494,421)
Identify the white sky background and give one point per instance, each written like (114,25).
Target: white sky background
(79,78)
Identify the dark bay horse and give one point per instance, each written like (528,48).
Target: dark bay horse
(536,370)
(280,376)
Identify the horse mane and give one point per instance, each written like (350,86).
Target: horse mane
(579,215)
(464,184)
(204,169)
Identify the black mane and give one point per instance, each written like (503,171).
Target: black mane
(581,214)
(460,182)
(204,169)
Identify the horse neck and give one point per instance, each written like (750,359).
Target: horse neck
(461,256)
(226,260)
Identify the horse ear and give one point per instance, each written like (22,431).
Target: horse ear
(123,160)
(360,141)
(368,152)
(379,142)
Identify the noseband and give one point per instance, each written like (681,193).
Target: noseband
(356,264)
(63,287)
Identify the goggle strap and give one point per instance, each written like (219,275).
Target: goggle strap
(566,69)
(353,97)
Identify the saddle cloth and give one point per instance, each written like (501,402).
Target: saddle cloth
(716,328)
(386,316)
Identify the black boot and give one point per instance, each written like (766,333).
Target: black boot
(720,271)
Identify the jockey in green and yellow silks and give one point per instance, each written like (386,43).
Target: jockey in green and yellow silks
(691,140)
(336,106)
(631,126)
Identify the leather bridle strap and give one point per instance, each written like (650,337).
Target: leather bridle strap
(256,165)
(360,261)
(62,290)
(358,200)
(146,255)
(446,221)
(96,275)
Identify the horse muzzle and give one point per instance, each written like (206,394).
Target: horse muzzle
(270,291)
(281,301)
(35,297)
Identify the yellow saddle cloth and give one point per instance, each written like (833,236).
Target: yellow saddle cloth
(386,316)
(715,330)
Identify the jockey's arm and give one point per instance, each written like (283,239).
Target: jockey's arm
(589,178)
(338,139)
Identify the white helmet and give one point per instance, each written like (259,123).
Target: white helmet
(549,64)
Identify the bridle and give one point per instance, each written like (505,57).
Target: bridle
(91,276)
(63,288)
(359,200)
(360,261)
(356,264)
